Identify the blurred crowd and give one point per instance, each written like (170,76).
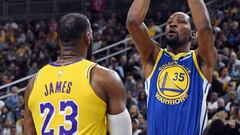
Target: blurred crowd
(28,45)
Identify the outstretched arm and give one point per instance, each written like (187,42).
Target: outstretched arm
(145,45)
(206,49)
(29,128)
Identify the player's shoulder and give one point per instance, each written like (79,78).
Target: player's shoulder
(108,81)
(105,77)
(104,74)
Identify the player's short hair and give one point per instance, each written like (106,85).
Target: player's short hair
(71,27)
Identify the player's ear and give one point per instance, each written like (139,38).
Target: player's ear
(87,37)
(194,35)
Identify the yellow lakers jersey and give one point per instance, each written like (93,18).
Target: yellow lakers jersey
(62,102)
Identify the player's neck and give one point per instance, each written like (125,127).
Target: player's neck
(177,50)
(69,54)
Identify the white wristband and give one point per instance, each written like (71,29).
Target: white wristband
(120,124)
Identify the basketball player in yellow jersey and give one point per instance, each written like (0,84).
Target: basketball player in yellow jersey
(74,96)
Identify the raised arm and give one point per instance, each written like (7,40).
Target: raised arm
(146,47)
(206,49)
(29,128)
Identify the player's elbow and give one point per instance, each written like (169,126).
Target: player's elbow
(206,32)
(132,22)
(206,28)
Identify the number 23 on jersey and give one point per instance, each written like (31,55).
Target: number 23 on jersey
(68,109)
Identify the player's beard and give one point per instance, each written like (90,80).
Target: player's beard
(176,42)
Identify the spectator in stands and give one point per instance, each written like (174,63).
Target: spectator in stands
(21,102)
(97,43)
(130,83)
(142,122)
(226,53)
(139,87)
(114,65)
(220,104)
(235,63)
(5,79)
(10,38)
(40,26)
(30,37)
(7,127)
(13,101)
(217,86)
(212,104)
(2,37)
(19,127)
(158,18)
(52,25)
(11,24)
(220,64)
(142,100)
(153,29)
(20,36)
(123,61)
(134,59)
(224,76)
(230,98)
(217,127)
(234,113)
(19,123)
(135,127)
(33,68)
(130,100)
(134,112)
(13,131)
